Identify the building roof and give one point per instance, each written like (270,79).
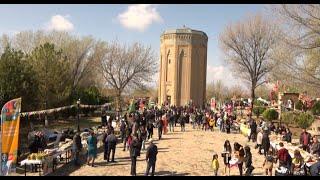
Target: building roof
(184,30)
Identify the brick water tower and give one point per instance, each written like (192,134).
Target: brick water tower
(183,67)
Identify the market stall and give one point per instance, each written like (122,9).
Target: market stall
(309,159)
(45,162)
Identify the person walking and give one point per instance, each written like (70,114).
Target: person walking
(76,148)
(151,157)
(253,131)
(92,148)
(143,137)
(248,161)
(239,153)
(171,122)
(259,141)
(227,151)
(128,131)
(134,153)
(150,129)
(160,128)
(112,143)
(105,145)
(215,164)
(183,122)
(268,163)
(123,130)
(265,143)
(192,120)
(228,125)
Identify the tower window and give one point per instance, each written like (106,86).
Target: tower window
(169,61)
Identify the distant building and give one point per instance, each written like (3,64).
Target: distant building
(183,67)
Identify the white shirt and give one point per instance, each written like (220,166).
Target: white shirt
(259,138)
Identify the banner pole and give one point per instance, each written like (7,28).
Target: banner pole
(1,145)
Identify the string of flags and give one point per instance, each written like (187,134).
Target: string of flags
(49,111)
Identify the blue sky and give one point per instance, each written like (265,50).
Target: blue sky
(131,23)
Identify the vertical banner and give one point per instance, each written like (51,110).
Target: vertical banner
(10,121)
(213,104)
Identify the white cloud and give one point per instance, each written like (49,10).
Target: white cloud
(60,23)
(139,17)
(215,73)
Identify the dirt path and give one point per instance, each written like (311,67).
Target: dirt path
(180,153)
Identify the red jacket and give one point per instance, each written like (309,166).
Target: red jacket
(283,154)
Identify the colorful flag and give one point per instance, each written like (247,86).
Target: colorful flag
(10,121)
(132,107)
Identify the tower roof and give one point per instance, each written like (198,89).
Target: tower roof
(184,30)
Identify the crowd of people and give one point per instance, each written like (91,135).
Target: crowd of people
(136,129)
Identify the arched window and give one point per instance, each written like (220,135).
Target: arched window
(167,67)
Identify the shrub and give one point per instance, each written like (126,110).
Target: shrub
(316,108)
(258,110)
(289,117)
(257,103)
(304,120)
(270,114)
(299,105)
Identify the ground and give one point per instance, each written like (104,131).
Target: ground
(180,153)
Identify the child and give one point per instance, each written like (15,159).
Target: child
(215,164)
(268,163)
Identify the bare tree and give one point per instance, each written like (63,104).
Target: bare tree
(218,90)
(298,56)
(127,66)
(236,91)
(301,24)
(248,46)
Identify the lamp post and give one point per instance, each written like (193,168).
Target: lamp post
(78,118)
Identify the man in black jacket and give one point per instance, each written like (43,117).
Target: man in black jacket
(150,129)
(253,130)
(160,128)
(171,121)
(134,153)
(151,158)
(248,161)
(112,143)
(123,130)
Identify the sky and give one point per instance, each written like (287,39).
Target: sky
(130,23)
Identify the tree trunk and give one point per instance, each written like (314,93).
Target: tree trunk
(252,100)
(118,104)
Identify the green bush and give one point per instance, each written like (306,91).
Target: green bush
(316,108)
(257,103)
(289,117)
(304,120)
(299,105)
(270,114)
(258,110)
